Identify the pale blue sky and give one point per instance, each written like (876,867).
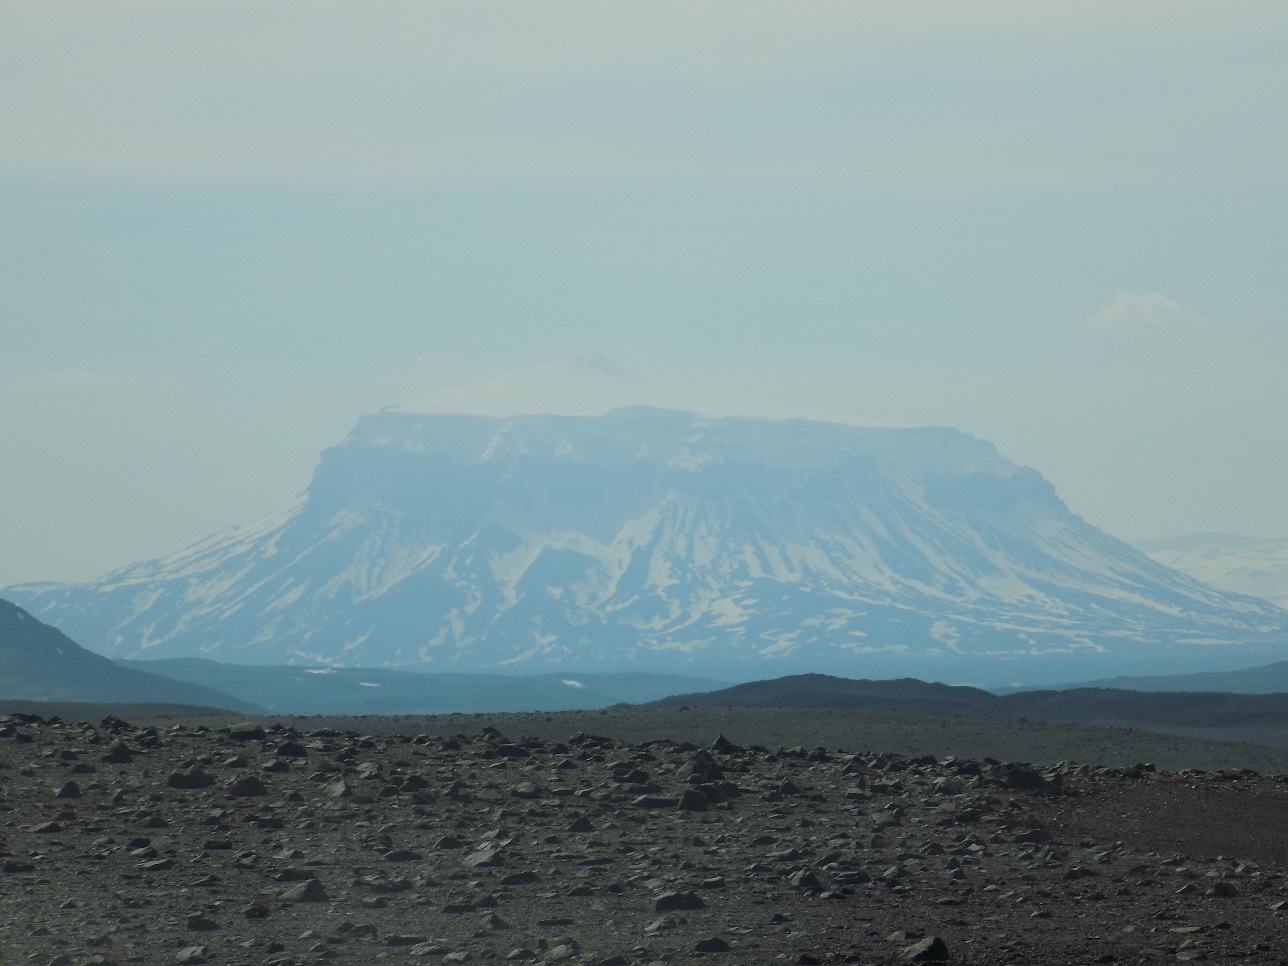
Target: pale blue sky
(229,229)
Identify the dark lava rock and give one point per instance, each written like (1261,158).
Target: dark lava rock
(246,732)
(194,776)
(248,786)
(677,901)
(308,891)
(713,945)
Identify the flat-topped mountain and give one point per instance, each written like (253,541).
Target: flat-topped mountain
(662,541)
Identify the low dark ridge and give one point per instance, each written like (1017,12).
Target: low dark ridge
(1257,718)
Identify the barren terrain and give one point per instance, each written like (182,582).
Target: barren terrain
(543,838)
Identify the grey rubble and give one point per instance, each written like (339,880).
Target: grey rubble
(253,845)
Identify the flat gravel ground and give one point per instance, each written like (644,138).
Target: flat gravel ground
(575,838)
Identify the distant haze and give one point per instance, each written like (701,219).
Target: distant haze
(232,229)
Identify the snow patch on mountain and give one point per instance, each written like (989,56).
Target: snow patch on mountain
(1242,565)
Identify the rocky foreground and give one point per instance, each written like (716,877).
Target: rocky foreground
(246,845)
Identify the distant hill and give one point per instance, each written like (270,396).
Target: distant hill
(290,689)
(825,691)
(1258,718)
(1266,679)
(41,663)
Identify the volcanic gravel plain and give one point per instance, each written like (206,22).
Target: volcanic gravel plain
(309,842)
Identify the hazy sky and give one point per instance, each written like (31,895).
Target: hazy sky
(228,229)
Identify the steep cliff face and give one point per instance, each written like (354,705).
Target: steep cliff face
(660,540)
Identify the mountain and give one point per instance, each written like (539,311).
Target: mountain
(40,663)
(1244,565)
(661,541)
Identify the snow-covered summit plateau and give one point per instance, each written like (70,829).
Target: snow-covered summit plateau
(656,539)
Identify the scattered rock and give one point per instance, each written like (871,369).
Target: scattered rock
(310,890)
(248,786)
(932,949)
(713,945)
(677,901)
(194,776)
(487,848)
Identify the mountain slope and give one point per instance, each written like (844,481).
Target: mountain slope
(40,663)
(1243,565)
(657,540)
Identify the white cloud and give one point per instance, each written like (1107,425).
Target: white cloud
(1141,311)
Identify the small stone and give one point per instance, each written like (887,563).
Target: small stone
(526,877)
(191,954)
(693,800)
(248,786)
(194,776)
(403,855)
(932,949)
(68,790)
(807,880)
(713,945)
(246,731)
(482,859)
(672,901)
(655,801)
(403,940)
(118,753)
(310,891)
